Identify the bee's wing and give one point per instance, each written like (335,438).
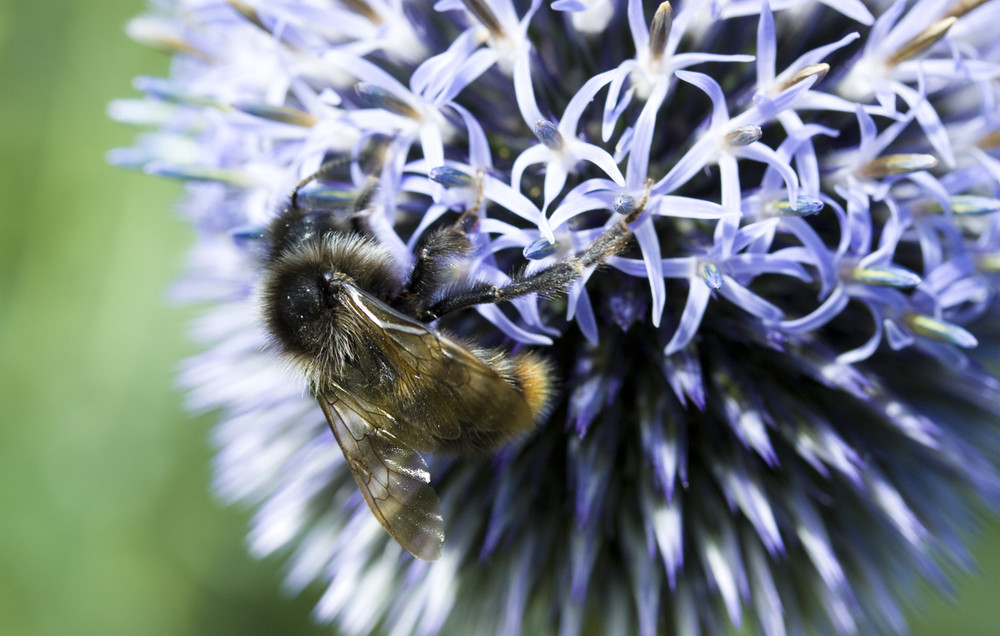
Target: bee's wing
(393,479)
(431,381)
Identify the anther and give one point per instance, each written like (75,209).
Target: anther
(890,165)
(804,206)
(282,114)
(549,134)
(659,30)
(805,73)
(450,177)
(486,17)
(744,136)
(540,249)
(364,9)
(922,41)
(712,276)
(886,276)
(940,330)
(378,97)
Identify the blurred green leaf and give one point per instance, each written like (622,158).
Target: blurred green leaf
(110,527)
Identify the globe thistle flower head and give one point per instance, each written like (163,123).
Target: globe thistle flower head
(777,401)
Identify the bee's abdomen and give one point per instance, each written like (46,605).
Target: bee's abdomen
(508,414)
(533,377)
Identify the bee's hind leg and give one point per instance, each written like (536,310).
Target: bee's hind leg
(549,281)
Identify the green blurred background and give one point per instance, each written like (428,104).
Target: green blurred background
(107,524)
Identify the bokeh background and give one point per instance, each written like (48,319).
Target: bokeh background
(107,522)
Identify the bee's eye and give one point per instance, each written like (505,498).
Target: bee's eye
(299,306)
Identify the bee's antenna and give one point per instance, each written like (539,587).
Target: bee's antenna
(374,157)
(374,154)
(366,195)
(323,169)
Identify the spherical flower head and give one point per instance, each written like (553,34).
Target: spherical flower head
(778,399)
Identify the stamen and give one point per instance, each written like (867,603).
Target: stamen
(486,17)
(329,195)
(624,204)
(549,134)
(659,30)
(362,8)
(968,205)
(282,114)
(962,7)
(805,73)
(161,36)
(804,206)
(166,91)
(940,330)
(450,177)
(249,13)
(744,136)
(191,172)
(922,41)
(989,141)
(890,165)
(886,276)
(711,275)
(540,249)
(988,262)
(378,97)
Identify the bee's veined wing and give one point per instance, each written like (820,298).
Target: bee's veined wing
(393,479)
(429,381)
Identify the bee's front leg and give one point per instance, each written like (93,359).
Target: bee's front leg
(431,268)
(435,255)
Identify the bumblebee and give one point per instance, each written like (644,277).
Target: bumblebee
(392,386)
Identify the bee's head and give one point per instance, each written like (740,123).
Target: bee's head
(303,292)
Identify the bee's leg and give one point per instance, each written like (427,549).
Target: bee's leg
(372,156)
(324,170)
(430,269)
(548,281)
